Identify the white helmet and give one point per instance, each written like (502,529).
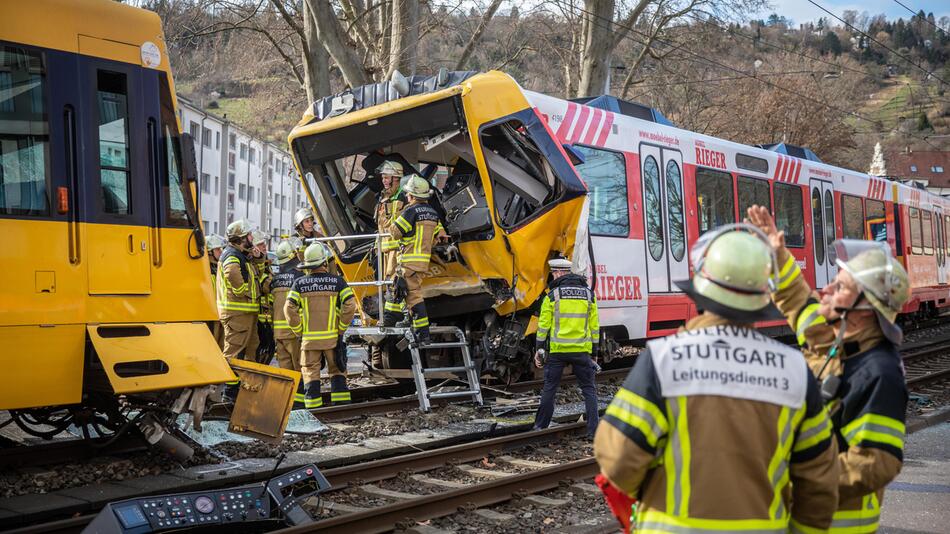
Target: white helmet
(391,168)
(259,236)
(238,228)
(418,187)
(880,276)
(302,215)
(315,256)
(214,241)
(285,252)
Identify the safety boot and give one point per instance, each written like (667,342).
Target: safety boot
(299,397)
(313,398)
(339,393)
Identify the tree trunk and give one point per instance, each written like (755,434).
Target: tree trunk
(405,37)
(316,61)
(477,35)
(598,43)
(333,37)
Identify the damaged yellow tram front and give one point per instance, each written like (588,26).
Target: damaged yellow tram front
(507,191)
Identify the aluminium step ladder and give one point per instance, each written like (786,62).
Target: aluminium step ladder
(468,368)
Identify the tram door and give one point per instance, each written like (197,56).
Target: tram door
(823,225)
(940,244)
(661,171)
(115,167)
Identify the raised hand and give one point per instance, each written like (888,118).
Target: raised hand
(760,217)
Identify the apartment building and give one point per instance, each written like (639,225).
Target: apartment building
(240,177)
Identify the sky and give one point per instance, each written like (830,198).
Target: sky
(803,11)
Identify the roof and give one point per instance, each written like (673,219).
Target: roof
(903,164)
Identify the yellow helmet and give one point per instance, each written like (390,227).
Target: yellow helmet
(285,252)
(238,228)
(315,256)
(391,168)
(214,241)
(417,186)
(880,276)
(259,236)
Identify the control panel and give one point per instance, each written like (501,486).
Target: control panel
(292,488)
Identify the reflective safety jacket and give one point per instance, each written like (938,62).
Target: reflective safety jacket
(869,410)
(280,287)
(391,204)
(214,277)
(237,286)
(569,316)
(319,309)
(721,429)
(263,273)
(416,228)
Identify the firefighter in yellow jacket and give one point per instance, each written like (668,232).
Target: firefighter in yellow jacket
(849,336)
(417,228)
(391,202)
(214,245)
(319,308)
(261,346)
(287,344)
(237,290)
(720,428)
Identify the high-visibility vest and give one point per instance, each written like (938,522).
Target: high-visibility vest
(241,298)
(569,316)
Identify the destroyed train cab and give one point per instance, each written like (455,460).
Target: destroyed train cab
(507,190)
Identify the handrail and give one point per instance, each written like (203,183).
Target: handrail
(379,282)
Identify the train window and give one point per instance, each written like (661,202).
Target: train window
(114,161)
(654,212)
(175,191)
(24,139)
(946,233)
(605,173)
(916,239)
(752,163)
(753,191)
(874,222)
(852,217)
(715,201)
(939,244)
(789,214)
(674,206)
(927,232)
(829,219)
(819,226)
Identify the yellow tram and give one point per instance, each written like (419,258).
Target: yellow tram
(105,288)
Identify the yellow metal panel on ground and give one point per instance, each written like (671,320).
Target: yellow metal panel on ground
(188,349)
(42,366)
(264,401)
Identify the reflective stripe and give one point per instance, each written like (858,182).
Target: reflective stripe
(797,528)
(677,459)
(346,293)
(876,428)
(337,396)
(313,403)
(419,323)
(394,306)
(656,521)
(806,319)
(788,273)
(639,413)
(813,431)
(860,521)
(403,224)
(778,466)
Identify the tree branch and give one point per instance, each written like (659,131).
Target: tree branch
(477,34)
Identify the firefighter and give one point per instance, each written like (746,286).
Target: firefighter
(214,244)
(417,228)
(719,428)
(305,228)
(391,202)
(319,308)
(261,346)
(237,289)
(849,336)
(569,317)
(287,343)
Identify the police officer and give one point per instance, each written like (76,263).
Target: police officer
(261,346)
(719,428)
(214,245)
(319,308)
(417,228)
(849,335)
(391,202)
(569,326)
(237,289)
(287,343)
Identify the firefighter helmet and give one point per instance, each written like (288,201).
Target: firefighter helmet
(880,277)
(390,168)
(302,215)
(258,237)
(418,187)
(239,228)
(214,241)
(285,252)
(734,272)
(315,256)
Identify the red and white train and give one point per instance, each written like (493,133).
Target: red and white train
(654,189)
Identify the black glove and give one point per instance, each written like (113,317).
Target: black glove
(400,289)
(339,355)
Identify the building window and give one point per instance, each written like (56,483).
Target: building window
(206,137)
(114,165)
(852,217)
(230,180)
(206,225)
(24,139)
(753,192)
(232,142)
(217,190)
(242,191)
(230,203)
(215,226)
(231,163)
(283,202)
(277,201)
(205,185)
(874,222)
(271,158)
(605,174)
(715,200)
(936,168)
(652,207)
(250,193)
(252,154)
(913,168)
(789,213)
(230,217)
(243,152)
(217,140)
(195,129)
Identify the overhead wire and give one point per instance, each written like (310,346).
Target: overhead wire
(609,28)
(915,13)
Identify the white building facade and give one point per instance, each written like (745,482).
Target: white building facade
(240,177)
